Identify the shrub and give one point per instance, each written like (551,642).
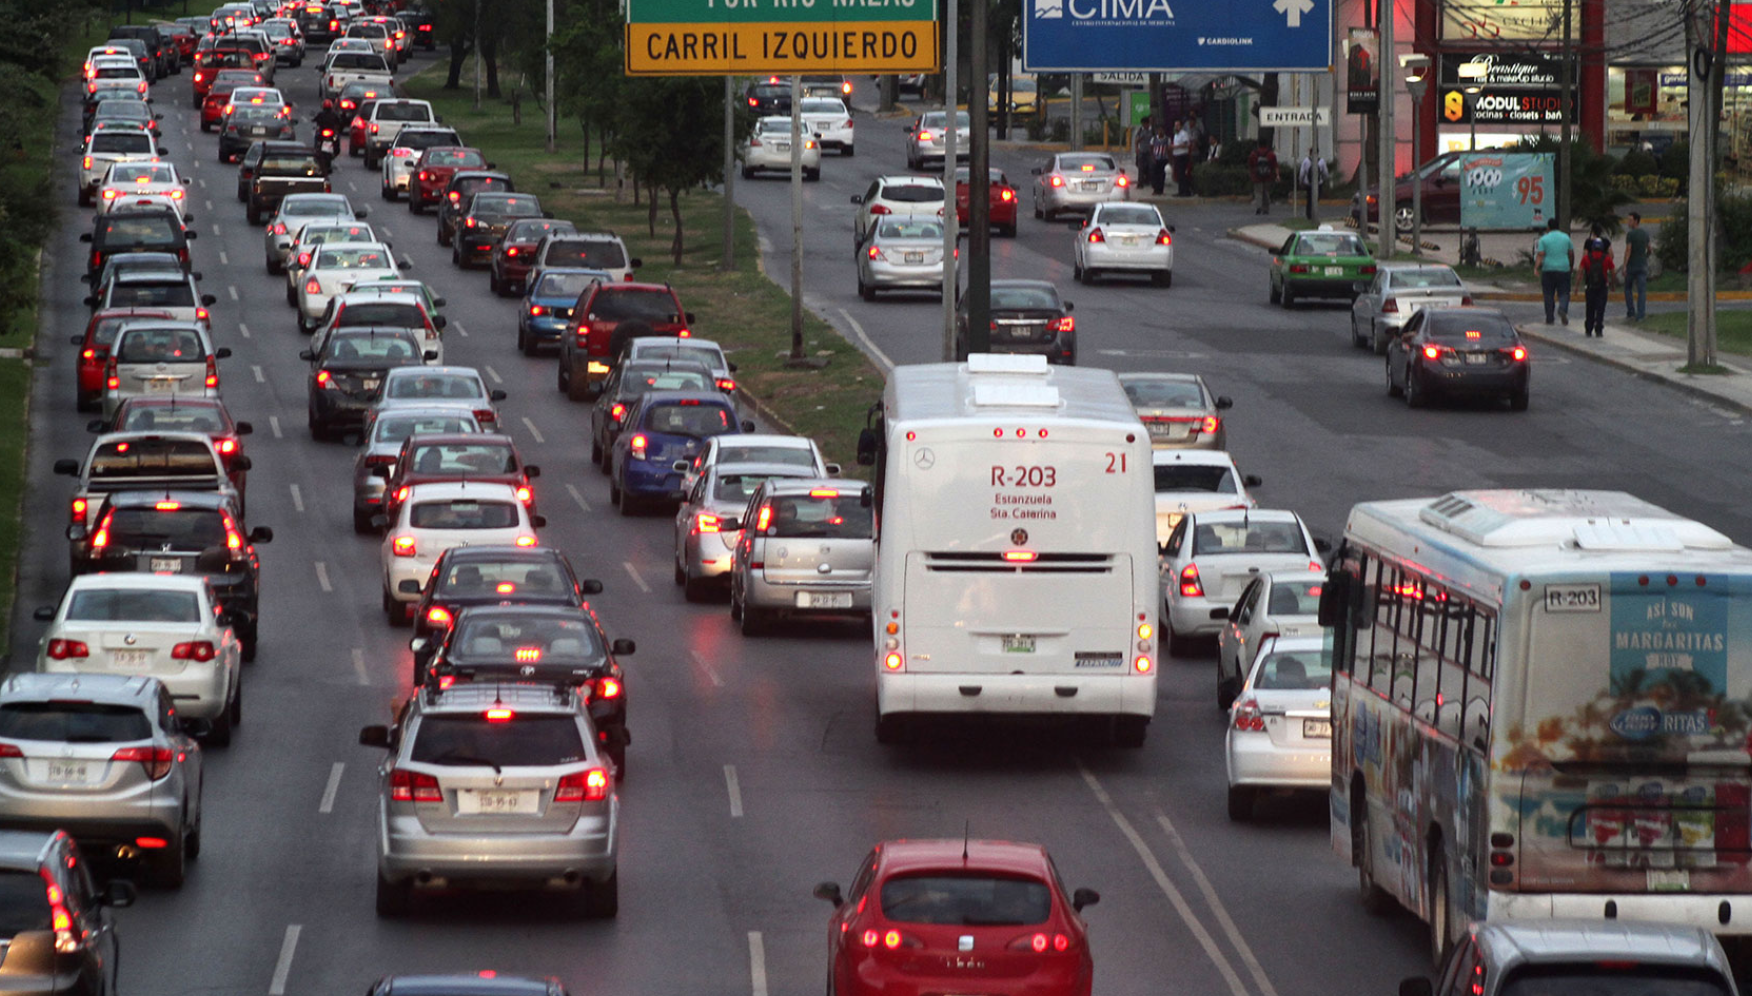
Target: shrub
(1636,162)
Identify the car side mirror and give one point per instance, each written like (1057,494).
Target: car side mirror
(402,264)
(1322,545)
(379,522)
(222,353)
(418,644)
(374,736)
(380,470)
(748,425)
(497,395)
(538,521)
(833,470)
(76,533)
(440,323)
(1069,307)
(1417,985)
(77,340)
(730,524)
(688,317)
(1253,480)
(119,893)
(1084,897)
(856,198)
(624,646)
(361,212)
(96,425)
(531,471)
(1359,287)
(547,214)
(408,586)
(241,462)
(84,278)
(190,234)
(198,275)
(830,891)
(67,468)
(867,446)
(307,356)
(1171,228)
(191,726)
(430,356)
(243,428)
(44,613)
(1034,172)
(85,237)
(439,302)
(1225,403)
(261,534)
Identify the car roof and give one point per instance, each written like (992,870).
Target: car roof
(634,285)
(804,485)
(901,179)
(1246,515)
(759,467)
(1545,941)
(1398,265)
(472,696)
(1202,458)
(1178,378)
(110,688)
(211,501)
(957,853)
(427,371)
(461,438)
(1466,309)
(650,398)
(1031,284)
(449,490)
(499,552)
(466,985)
(391,295)
(666,341)
(546,610)
(147,275)
(1295,642)
(137,582)
(764,438)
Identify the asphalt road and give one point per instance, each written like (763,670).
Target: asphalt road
(754,772)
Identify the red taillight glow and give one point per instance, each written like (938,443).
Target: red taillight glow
(413,786)
(1190,585)
(60,650)
(403,546)
(1021,556)
(324,379)
(892,662)
(526,540)
(637,445)
(438,615)
(706,522)
(589,785)
(1519,353)
(500,715)
(1163,238)
(1058,181)
(156,761)
(1432,352)
(726,384)
(1097,235)
(617,411)
(194,650)
(1247,717)
(1209,424)
(608,688)
(226,447)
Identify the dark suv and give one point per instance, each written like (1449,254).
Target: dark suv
(153,229)
(590,346)
(485,222)
(166,58)
(55,924)
(460,193)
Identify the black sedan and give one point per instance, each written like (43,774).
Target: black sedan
(491,575)
(346,374)
(1027,316)
(250,123)
(1458,351)
(485,222)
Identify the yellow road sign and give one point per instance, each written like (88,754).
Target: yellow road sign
(785,48)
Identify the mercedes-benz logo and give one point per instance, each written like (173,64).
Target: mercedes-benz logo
(924,458)
(1018,537)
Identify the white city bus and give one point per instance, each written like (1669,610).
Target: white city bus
(1541,706)
(1016,551)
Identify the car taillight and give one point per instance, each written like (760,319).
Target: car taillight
(112,379)
(226,447)
(312,287)
(109,195)
(1466,300)
(303,260)
(1390,307)
(527,540)
(1163,238)
(706,522)
(637,445)
(890,939)
(486,416)
(1518,354)
(438,615)
(753,102)
(1208,424)
(589,785)
(1041,943)
(374,128)
(194,650)
(1058,181)
(846,88)
(1066,323)
(1298,268)
(156,760)
(87,162)
(880,209)
(403,546)
(468,222)
(1247,717)
(325,380)
(1367,270)
(454,197)
(1432,352)
(525,495)
(67,940)
(279,228)
(1190,585)
(422,176)
(874,252)
(413,786)
(61,650)
(726,384)
(607,688)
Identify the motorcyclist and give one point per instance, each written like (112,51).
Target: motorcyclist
(329,120)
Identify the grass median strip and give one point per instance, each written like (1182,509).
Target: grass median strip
(1733,328)
(741,309)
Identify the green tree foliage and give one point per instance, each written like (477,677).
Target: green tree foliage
(670,133)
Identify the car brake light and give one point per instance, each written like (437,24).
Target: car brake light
(279,228)
(1208,424)
(1163,238)
(109,195)
(325,380)
(608,688)
(499,714)
(1367,269)
(637,444)
(87,162)
(403,546)
(846,88)
(706,522)
(1122,181)
(61,650)
(1041,943)
(1021,556)
(156,760)
(1390,306)
(1247,716)
(525,495)
(763,519)
(1190,585)
(454,197)
(303,260)
(113,379)
(195,650)
(876,253)
(1519,353)
(924,136)
(1058,181)
(510,250)
(413,786)
(880,209)
(1298,268)
(374,128)
(1432,352)
(312,287)
(438,615)
(589,785)
(1065,323)
(1466,300)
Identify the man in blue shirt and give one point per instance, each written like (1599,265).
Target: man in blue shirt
(1555,259)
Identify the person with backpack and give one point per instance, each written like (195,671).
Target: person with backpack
(1597,273)
(1262,166)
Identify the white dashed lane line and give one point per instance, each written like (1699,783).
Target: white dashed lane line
(327,805)
(494,374)
(259,376)
(232,290)
(297,498)
(283,967)
(274,424)
(243,330)
(224,260)
(735,789)
(633,572)
(582,504)
(322,578)
(533,431)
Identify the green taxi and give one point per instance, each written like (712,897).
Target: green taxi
(1321,263)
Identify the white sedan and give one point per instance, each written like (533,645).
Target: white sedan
(1212,555)
(134,184)
(436,517)
(769,148)
(1124,239)
(164,626)
(1276,603)
(1280,727)
(295,211)
(1196,481)
(336,267)
(828,118)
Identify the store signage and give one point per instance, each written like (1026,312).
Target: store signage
(1503,20)
(1515,88)
(1506,190)
(1121,79)
(1293,117)
(1362,71)
(757,37)
(1073,36)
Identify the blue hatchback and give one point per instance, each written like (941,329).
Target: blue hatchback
(665,427)
(547,305)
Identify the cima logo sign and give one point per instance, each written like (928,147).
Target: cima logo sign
(1104,10)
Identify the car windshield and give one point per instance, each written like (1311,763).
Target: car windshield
(437,385)
(470,739)
(382,313)
(1086,164)
(563,285)
(344,258)
(508,577)
(150,345)
(1024,298)
(68,723)
(966,900)
(121,142)
(529,639)
(464,458)
(142,173)
(912,193)
(614,304)
(367,348)
(1247,536)
(171,418)
(1613,979)
(139,294)
(1421,279)
(1216,479)
(705,356)
(910,230)
(1164,393)
(1304,670)
(827,513)
(171,529)
(823,106)
(463,513)
(1130,214)
(395,428)
(133,605)
(696,419)
(145,230)
(312,207)
(1330,244)
(453,157)
(1472,331)
(152,458)
(593,254)
(398,111)
(796,456)
(505,205)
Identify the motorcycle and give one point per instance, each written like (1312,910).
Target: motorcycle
(329,140)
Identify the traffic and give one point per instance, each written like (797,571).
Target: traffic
(976,685)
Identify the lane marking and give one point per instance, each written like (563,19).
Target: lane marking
(459,329)
(757,964)
(232,288)
(322,576)
(1254,968)
(735,789)
(274,424)
(297,498)
(533,431)
(704,665)
(283,967)
(260,378)
(582,504)
(1175,898)
(359,666)
(215,228)
(634,573)
(209,205)
(243,330)
(203,180)
(495,374)
(334,785)
(224,260)
(887,363)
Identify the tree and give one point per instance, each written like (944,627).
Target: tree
(589,67)
(670,132)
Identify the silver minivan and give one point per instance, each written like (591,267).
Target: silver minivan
(807,549)
(158,357)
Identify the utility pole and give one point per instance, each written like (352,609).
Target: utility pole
(1076,112)
(477,53)
(1384,201)
(727,259)
(951,277)
(979,219)
(796,217)
(548,76)
(1700,75)
(1567,83)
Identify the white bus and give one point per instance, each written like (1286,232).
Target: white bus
(1016,546)
(1541,707)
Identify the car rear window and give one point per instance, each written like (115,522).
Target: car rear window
(1086,164)
(314,206)
(463,513)
(510,577)
(422,139)
(395,428)
(1613,978)
(149,345)
(136,294)
(389,347)
(593,254)
(911,230)
(966,900)
(151,458)
(1303,671)
(1421,279)
(66,722)
(253,114)
(1294,598)
(1028,298)
(705,356)
(698,420)
(1164,393)
(796,456)
(529,639)
(616,304)
(453,157)
(1331,245)
(396,111)
(1130,214)
(143,172)
(935,119)
(133,605)
(181,529)
(24,903)
(145,230)
(115,73)
(506,205)
(638,382)
(346,258)
(1472,330)
(823,106)
(383,313)
(463,458)
(532,230)
(1196,477)
(738,487)
(172,418)
(121,142)
(526,740)
(832,514)
(430,385)
(476,184)
(358,60)
(912,193)
(1246,536)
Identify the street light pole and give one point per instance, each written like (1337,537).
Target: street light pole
(728,260)
(1472,93)
(951,276)
(477,54)
(1415,84)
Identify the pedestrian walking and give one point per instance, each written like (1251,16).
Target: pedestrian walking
(1554,258)
(1597,272)
(1312,175)
(1262,166)
(1161,147)
(1182,150)
(1141,150)
(1636,270)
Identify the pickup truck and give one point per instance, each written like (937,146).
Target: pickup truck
(135,461)
(284,168)
(388,118)
(354,67)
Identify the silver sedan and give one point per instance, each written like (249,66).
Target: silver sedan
(904,252)
(1077,181)
(1280,727)
(381,444)
(707,525)
(769,148)
(1387,302)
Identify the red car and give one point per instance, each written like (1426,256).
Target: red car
(358,129)
(94,347)
(206,78)
(926,917)
(181,413)
(433,170)
(213,107)
(514,256)
(1003,201)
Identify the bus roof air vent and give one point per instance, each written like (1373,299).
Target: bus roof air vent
(1588,520)
(1013,395)
(1007,363)
(1625,534)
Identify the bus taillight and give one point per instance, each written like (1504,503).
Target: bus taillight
(892,661)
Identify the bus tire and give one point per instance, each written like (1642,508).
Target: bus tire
(1375,899)
(1441,908)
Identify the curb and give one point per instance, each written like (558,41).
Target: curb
(1683,386)
(765,411)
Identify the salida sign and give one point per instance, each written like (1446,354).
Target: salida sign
(1516,88)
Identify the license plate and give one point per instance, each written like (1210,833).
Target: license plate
(1127,240)
(258,131)
(128,658)
(494,802)
(68,771)
(1476,358)
(1334,271)
(1160,430)
(160,386)
(370,383)
(167,565)
(786,147)
(824,600)
(915,257)
(1669,879)
(1019,644)
(1317,729)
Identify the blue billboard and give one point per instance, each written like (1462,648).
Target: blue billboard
(1506,190)
(1170,36)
